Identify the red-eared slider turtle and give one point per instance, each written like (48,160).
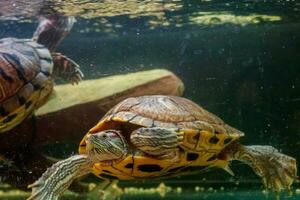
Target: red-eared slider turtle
(161,136)
(27,68)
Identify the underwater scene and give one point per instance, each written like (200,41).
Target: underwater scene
(162,99)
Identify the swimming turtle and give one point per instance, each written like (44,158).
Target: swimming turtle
(27,68)
(161,136)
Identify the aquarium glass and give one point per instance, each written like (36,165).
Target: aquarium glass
(237,59)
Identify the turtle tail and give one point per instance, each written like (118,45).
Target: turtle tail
(52,29)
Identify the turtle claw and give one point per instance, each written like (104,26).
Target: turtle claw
(67,69)
(76,76)
(278,171)
(281,174)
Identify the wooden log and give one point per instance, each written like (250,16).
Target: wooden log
(75,109)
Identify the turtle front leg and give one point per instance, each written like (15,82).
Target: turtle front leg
(56,180)
(66,68)
(159,142)
(278,171)
(52,29)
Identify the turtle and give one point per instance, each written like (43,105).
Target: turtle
(27,68)
(162,136)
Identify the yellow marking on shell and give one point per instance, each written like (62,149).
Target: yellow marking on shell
(199,142)
(188,141)
(96,128)
(205,144)
(195,142)
(122,165)
(21,113)
(118,119)
(118,170)
(37,99)
(203,158)
(45,93)
(200,161)
(142,160)
(99,169)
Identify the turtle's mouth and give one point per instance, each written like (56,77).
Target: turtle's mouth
(89,143)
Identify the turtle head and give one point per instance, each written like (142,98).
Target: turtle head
(106,146)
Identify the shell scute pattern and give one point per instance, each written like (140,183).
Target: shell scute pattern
(204,135)
(118,149)
(170,112)
(123,116)
(26,91)
(25,69)
(10,77)
(161,109)
(22,49)
(19,65)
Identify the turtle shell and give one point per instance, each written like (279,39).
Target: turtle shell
(25,83)
(205,135)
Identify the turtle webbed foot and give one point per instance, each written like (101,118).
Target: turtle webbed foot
(76,76)
(278,171)
(66,68)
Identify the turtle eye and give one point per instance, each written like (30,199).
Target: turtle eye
(104,136)
(112,134)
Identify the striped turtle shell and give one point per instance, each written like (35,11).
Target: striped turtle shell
(25,69)
(205,135)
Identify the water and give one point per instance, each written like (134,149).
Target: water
(239,60)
